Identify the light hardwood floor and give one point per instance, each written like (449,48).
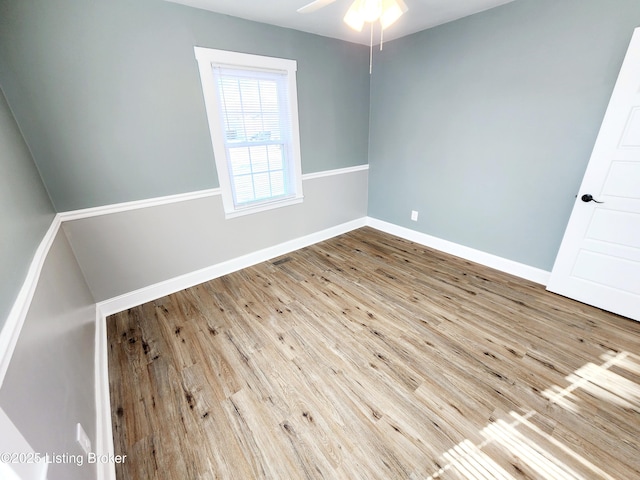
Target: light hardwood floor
(370,357)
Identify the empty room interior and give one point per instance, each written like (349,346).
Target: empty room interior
(320,240)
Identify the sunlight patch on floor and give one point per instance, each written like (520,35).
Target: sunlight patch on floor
(532,448)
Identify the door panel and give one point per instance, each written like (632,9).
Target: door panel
(599,259)
(622,179)
(631,136)
(616,227)
(611,272)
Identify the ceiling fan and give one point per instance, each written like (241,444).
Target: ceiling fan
(361,11)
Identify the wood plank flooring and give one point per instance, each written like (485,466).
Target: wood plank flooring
(370,357)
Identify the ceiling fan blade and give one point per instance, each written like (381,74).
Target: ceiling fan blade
(313,6)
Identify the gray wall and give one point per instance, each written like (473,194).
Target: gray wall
(485,125)
(49,386)
(108,94)
(123,252)
(25,210)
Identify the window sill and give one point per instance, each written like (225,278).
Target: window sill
(262,207)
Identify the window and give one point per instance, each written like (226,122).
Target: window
(252,108)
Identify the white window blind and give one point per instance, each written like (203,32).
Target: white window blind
(253,107)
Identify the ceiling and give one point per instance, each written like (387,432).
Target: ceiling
(328,22)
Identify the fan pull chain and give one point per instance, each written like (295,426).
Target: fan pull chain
(381,37)
(371,51)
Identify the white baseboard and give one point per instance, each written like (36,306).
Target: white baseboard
(167,287)
(104,431)
(493,261)
(13,325)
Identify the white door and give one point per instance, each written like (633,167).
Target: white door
(599,259)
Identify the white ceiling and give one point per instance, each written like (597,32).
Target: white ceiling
(328,22)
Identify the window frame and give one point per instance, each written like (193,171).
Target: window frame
(207,59)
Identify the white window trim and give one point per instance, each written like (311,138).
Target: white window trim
(208,56)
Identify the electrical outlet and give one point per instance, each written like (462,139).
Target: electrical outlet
(83,439)
(414,215)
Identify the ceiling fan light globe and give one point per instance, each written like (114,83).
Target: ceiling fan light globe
(353,18)
(392,10)
(370,9)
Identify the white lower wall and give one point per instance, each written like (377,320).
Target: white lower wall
(49,385)
(12,441)
(128,250)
